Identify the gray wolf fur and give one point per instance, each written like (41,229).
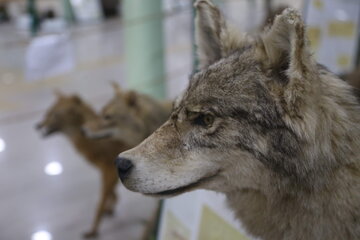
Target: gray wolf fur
(264,124)
(353,78)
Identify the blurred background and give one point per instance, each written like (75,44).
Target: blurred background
(47,190)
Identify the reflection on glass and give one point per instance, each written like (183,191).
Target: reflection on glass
(41,235)
(53,168)
(2,145)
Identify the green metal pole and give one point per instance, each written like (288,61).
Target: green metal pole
(34,22)
(144,46)
(195,57)
(144,49)
(68,12)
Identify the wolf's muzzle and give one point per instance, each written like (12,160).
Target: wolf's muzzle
(39,125)
(124,167)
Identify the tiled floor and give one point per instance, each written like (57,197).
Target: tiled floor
(64,205)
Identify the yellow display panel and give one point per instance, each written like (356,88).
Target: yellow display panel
(214,227)
(175,229)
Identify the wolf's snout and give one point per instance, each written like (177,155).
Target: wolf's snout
(85,131)
(38,126)
(124,167)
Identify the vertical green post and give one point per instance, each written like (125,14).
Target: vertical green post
(194,47)
(34,18)
(68,12)
(144,46)
(195,58)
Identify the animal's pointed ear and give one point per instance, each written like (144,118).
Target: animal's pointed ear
(285,43)
(116,87)
(214,37)
(76,99)
(131,98)
(58,93)
(284,48)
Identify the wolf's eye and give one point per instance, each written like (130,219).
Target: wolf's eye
(107,117)
(205,120)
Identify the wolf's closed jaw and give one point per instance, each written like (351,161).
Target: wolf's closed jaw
(44,130)
(183,189)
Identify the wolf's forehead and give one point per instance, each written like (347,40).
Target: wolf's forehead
(236,71)
(238,78)
(241,84)
(113,105)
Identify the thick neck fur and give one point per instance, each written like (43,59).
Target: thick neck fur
(324,203)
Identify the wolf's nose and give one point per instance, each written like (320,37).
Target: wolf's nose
(124,167)
(38,125)
(84,131)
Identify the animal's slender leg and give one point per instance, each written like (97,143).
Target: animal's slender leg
(113,198)
(105,192)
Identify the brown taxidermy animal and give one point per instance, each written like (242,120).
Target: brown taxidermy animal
(129,116)
(67,116)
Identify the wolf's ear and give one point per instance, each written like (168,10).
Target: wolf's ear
(116,87)
(131,98)
(214,37)
(76,99)
(58,93)
(285,47)
(285,44)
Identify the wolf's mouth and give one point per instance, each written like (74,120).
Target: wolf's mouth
(179,190)
(49,131)
(46,131)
